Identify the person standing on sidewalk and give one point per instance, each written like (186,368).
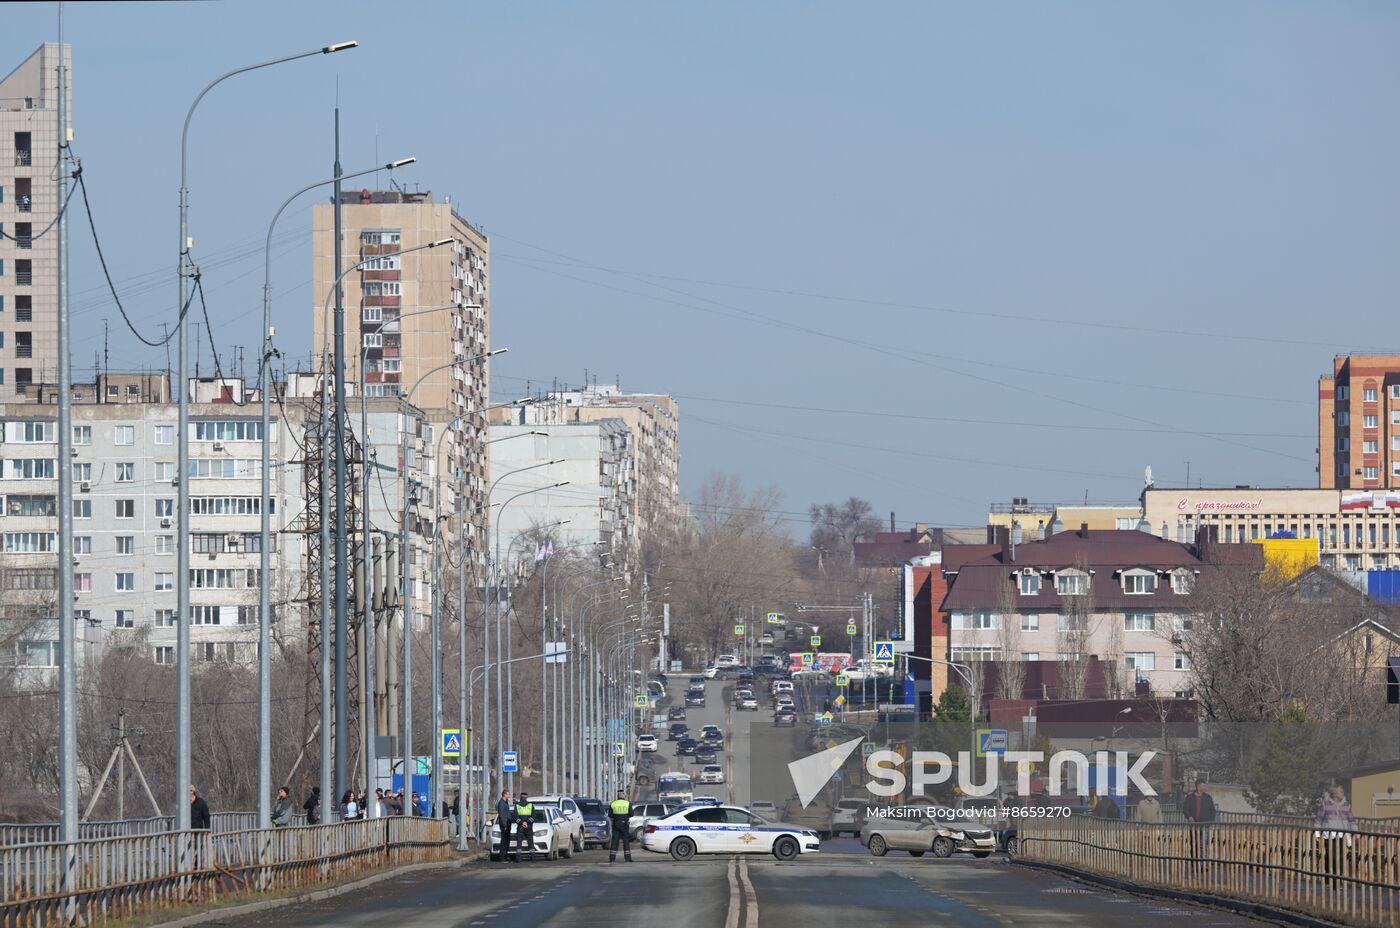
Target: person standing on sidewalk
(1199,808)
(505,821)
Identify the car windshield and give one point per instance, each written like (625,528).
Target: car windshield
(590,807)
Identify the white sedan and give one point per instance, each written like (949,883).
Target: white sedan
(646,742)
(726,830)
(713,773)
(548,838)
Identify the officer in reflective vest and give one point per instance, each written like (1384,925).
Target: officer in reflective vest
(620,811)
(524,825)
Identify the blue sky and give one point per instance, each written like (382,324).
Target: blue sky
(931,254)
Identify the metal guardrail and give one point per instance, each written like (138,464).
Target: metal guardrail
(48,832)
(1351,877)
(133,875)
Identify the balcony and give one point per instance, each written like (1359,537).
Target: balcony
(24,203)
(24,351)
(23,158)
(24,241)
(24,278)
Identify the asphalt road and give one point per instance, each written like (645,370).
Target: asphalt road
(814,892)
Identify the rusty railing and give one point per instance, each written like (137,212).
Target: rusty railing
(1351,877)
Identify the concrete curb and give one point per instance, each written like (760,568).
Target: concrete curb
(1257,910)
(261,905)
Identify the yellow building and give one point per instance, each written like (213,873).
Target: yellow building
(1374,790)
(1286,558)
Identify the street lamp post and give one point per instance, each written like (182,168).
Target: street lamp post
(184,271)
(968,677)
(265,525)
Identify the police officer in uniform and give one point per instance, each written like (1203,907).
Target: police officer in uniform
(620,811)
(524,826)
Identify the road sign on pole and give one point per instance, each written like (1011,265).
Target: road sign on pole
(884,652)
(991,741)
(866,749)
(739,629)
(807,658)
(451,742)
(510,762)
(618,748)
(641,702)
(824,718)
(773,618)
(816,641)
(850,628)
(842,680)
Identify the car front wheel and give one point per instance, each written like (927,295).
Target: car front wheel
(682,849)
(786,849)
(878,847)
(942,847)
(1012,846)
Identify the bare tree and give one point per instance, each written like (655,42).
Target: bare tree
(1011,672)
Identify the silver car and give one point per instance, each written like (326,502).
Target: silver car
(921,830)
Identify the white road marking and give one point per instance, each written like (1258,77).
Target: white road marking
(751,912)
(731,917)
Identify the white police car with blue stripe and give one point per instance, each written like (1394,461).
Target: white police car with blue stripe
(726,830)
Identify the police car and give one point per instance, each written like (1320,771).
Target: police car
(725,829)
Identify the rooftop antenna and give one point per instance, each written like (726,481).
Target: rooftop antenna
(106,356)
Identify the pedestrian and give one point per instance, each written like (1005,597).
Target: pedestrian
(1106,807)
(413,804)
(1199,808)
(282,812)
(349,809)
(199,811)
(312,806)
(524,826)
(620,811)
(1149,810)
(1334,820)
(505,819)
(379,802)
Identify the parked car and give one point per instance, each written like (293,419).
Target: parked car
(643,812)
(764,808)
(597,826)
(847,816)
(573,827)
(711,672)
(548,835)
(725,661)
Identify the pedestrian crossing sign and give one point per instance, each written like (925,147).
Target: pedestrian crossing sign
(618,748)
(739,630)
(842,680)
(641,702)
(773,618)
(824,718)
(867,748)
(807,658)
(816,641)
(850,628)
(452,742)
(884,652)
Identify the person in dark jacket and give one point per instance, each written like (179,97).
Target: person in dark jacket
(1106,807)
(505,819)
(199,811)
(1199,808)
(312,806)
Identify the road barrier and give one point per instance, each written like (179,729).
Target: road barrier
(1351,877)
(49,832)
(136,874)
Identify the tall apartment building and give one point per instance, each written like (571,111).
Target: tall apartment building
(598,461)
(654,422)
(390,356)
(29,134)
(125,489)
(1358,423)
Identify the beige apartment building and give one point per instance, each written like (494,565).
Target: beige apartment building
(389,355)
(652,418)
(28,204)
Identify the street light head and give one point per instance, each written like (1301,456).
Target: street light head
(562,483)
(523,401)
(338,47)
(538,432)
(441,241)
(495,351)
(556,461)
(398,164)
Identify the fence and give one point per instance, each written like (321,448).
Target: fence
(135,874)
(49,833)
(1349,877)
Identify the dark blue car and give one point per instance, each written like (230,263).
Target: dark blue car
(597,829)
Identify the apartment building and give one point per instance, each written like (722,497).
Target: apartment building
(597,506)
(1358,423)
(393,346)
(652,418)
(125,487)
(29,135)
(1111,596)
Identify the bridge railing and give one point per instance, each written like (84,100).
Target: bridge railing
(48,832)
(1351,877)
(134,875)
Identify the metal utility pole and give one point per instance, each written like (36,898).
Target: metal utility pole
(329,799)
(342,561)
(67,634)
(463,720)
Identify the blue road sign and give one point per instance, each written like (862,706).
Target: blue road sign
(510,762)
(866,749)
(884,652)
(991,741)
(451,742)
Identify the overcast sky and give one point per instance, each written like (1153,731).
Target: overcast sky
(932,254)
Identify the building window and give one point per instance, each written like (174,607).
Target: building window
(39,654)
(1140,583)
(82,509)
(125,435)
(165,618)
(1180,661)
(1183,581)
(126,472)
(380,237)
(231,430)
(126,509)
(1343,443)
(82,583)
(204,615)
(165,544)
(1370,446)
(1369,422)
(975,620)
(126,544)
(1139,622)
(1368,395)
(373,340)
(165,582)
(165,509)
(1343,392)
(164,434)
(30,542)
(976,653)
(82,544)
(1141,661)
(1030,623)
(1395,391)
(1030,583)
(1030,656)
(1072,623)
(31,469)
(82,434)
(126,618)
(164,654)
(1370,473)
(372,314)
(1071,584)
(126,582)
(247,615)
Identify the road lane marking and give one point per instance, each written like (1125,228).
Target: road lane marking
(751,909)
(731,917)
